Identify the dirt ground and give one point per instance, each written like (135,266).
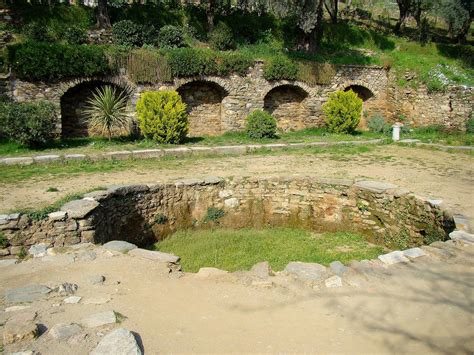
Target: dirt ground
(424,307)
(432,174)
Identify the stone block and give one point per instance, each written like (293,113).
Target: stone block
(99,319)
(123,190)
(462,236)
(119,246)
(118,342)
(202,150)
(342,182)
(46,158)
(119,155)
(79,208)
(177,152)
(25,294)
(261,270)
(147,153)
(75,156)
(212,180)
(209,272)
(375,186)
(20,328)
(413,253)
(394,257)
(63,331)
(8,262)
(17,161)
(231,149)
(87,236)
(38,250)
(232,202)
(72,300)
(57,216)
(306,271)
(333,281)
(461,222)
(338,268)
(154,255)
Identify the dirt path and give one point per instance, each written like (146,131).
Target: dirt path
(429,173)
(418,308)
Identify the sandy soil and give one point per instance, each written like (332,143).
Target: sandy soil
(429,173)
(419,308)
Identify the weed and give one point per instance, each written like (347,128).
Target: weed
(214,214)
(3,241)
(161,218)
(52,189)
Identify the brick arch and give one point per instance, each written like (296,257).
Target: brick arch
(287,103)
(73,102)
(204,102)
(223,84)
(302,86)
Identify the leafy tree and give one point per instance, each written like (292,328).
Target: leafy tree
(213,8)
(458,15)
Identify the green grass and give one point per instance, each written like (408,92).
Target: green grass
(235,250)
(436,134)
(97,144)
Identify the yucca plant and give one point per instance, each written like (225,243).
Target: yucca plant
(106,110)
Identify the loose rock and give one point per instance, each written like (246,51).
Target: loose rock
(306,271)
(207,272)
(118,342)
(120,246)
(393,258)
(97,279)
(338,268)
(38,250)
(99,319)
(20,328)
(64,331)
(262,270)
(72,300)
(334,281)
(28,293)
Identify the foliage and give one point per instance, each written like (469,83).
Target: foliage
(260,124)
(146,66)
(161,219)
(106,110)
(75,35)
(162,116)
(316,73)
(378,124)
(470,125)
(228,63)
(127,33)
(171,37)
(342,111)
(29,124)
(3,241)
(214,214)
(235,250)
(50,62)
(38,32)
(280,68)
(221,38)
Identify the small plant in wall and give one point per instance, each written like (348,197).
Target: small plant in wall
(161,219)
(106,110)
(342,111)
(3,241)
(214,214)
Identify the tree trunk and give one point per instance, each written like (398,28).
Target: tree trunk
(461,36)
(210,20)
(103,20)
(332,10)
(401,20)
(319,30)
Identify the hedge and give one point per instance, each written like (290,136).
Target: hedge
(51,62)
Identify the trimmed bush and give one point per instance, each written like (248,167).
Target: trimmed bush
(280,68)
(222,38)
(162,116)
(49,62)
(171,37)
(342,111)
(29,124)
(127,33)
(75,35)
(228,63)
(378,124)
(185,62)
(260,124)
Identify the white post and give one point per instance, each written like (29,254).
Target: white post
(396,131)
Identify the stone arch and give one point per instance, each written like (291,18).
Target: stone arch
(203,100)
(287,103)
(73,102)
(363,92)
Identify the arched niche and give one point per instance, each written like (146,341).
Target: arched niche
(361,91)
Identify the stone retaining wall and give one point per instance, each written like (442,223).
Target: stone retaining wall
(141,214)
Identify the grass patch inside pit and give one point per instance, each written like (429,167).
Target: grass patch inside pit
(235,250)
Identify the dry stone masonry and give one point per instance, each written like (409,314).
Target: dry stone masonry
(217,104)
(142,214)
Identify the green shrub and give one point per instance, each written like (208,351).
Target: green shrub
(74,35)
(342,111)
(186,62)
(161,218)
(378,124)
(127,33)
(280,68)
(162,116)
(470,125)
(214,214)
(228,63)
(39,32)
(49,62)
(3,241)
(260,124)
(222,38)
(171,37)
(29,124)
